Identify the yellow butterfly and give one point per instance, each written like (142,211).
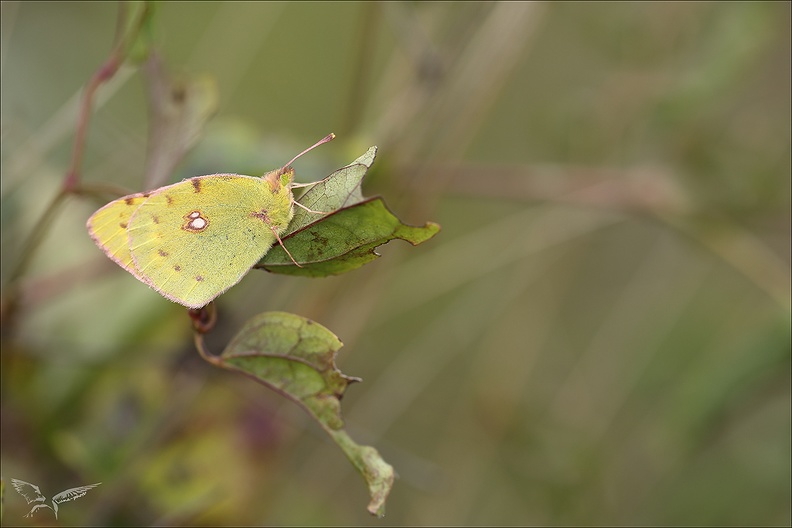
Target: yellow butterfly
(193,240)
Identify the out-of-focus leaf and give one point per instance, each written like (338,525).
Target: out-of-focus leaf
(137,33)
(296,357)
(343,241)
(178,112)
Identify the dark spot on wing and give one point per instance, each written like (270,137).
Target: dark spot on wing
(123,225)
(162,253)
(177,267)
(169,199)
(198,278)
(196,183)
(261,215)
(155,218)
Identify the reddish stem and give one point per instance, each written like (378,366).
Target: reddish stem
(102,75)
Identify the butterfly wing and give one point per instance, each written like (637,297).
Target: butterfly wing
(108,229)
(193,240)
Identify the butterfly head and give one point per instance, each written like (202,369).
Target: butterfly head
(280,178)
(283,177)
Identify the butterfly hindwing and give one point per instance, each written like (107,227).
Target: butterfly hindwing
(108,229)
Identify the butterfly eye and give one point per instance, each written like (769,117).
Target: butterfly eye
(287,177)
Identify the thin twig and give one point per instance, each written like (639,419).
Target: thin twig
(71,181)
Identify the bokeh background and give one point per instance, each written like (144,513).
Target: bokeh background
(600,335)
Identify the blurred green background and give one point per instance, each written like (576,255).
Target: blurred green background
(600,335)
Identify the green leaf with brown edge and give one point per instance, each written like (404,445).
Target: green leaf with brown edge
(346,237)
(340,189)
(343,241)
(296,357)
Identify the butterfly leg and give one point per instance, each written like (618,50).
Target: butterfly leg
(284,247)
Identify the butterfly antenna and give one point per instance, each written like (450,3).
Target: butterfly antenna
(326,139)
